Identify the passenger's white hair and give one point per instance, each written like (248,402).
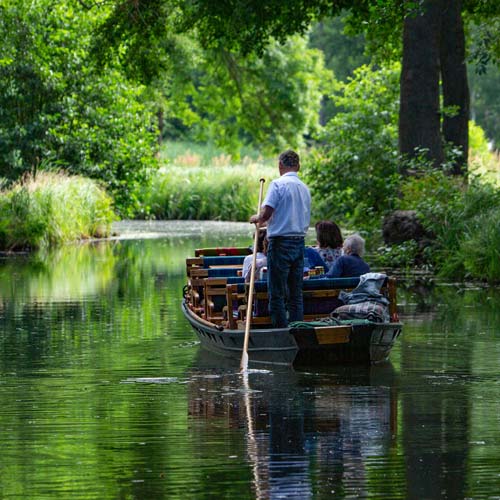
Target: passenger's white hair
(354,244)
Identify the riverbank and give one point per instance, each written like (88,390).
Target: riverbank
(53,209)
(460,219)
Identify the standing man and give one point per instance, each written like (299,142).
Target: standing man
(287,211)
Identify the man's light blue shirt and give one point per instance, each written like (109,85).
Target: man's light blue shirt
(290,200)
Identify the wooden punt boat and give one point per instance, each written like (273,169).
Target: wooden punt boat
(214,303)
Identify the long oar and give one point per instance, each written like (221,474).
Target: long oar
(244,355)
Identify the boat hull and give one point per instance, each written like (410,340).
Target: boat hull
(347,344)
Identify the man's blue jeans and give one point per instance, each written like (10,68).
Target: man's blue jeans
(285,273)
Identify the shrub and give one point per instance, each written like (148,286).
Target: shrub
(354,171)
(480,251)
(56,107)
(463,218)
(52,209)
(402,255)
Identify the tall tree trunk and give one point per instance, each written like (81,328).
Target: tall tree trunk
(454,80)
(419,117)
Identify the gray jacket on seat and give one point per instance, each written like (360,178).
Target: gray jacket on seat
(368,289)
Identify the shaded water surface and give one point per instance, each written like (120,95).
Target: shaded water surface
(104,392)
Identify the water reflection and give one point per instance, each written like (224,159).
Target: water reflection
(307,434)
(104,392)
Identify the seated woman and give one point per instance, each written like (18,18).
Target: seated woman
(330,241)
(351,263)
(261,259)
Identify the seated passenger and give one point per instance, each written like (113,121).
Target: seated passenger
(351,263)
(330,241)
(313,259)
(261,259)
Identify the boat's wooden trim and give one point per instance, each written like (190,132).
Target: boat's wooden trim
(333,334)
(222,251)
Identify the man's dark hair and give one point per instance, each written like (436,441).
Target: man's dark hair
(290,159)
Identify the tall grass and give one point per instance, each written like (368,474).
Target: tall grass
(51,209)
(469,242)
(463,220)
(192,154)
(481,250)
(201,193)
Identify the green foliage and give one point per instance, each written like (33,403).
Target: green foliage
(216,193)
(141,36)
(196,154)
(477,220)
(483,163)
(484,31)
(485,101)
(271,101)
(354,170)
(56,107)
(343,53)
(248,25)
(213,93)
(53,209)
(481,250)
(477,140)
(463,220)
(400,256)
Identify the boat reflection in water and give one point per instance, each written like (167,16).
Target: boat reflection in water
(305,434)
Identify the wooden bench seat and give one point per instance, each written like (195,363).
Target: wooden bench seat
(202,291)
(216,262)
(320,299)
(220,296)
(222,251)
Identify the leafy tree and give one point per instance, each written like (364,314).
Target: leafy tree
(271,101)
(343,52)
(57,109)
(215,93)
(355,170)
(432,47)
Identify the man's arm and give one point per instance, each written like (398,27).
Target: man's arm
(264,216)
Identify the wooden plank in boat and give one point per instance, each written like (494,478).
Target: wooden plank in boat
(333,334)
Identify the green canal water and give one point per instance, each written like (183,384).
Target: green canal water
(106,394)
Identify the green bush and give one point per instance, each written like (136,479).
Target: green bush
(225,193)
(354,172)
(463,220)
(56,107)
(402,255)
(52,209)
(480,251)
